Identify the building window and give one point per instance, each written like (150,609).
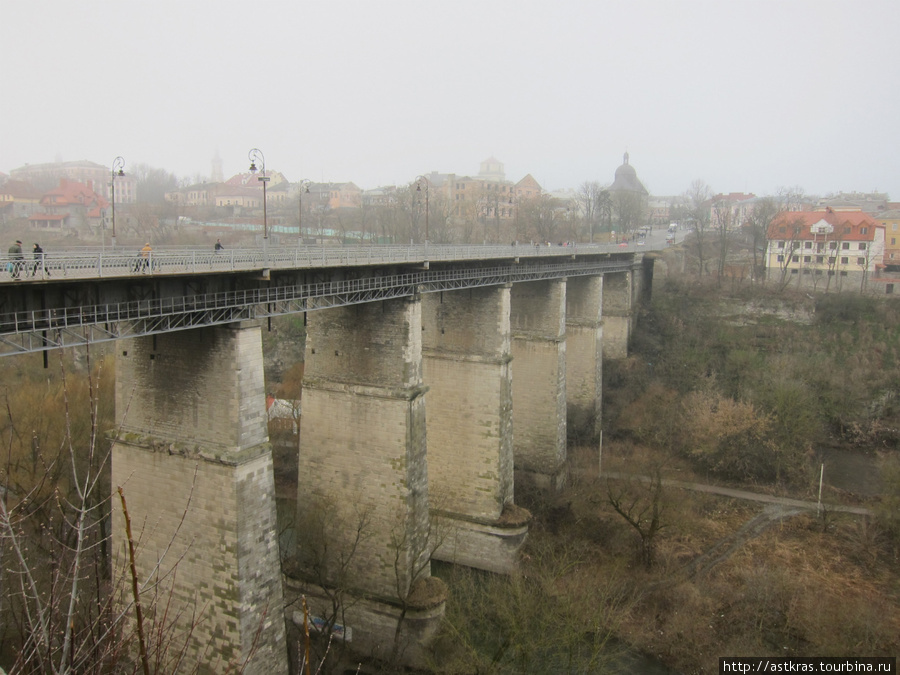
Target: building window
(862,246)
(860,261)
(807,258)
(794,270)
(843,273)
(780,258)
(796,258)
(889,289)
(807,244)
(864,230)
(820,258)
(806,271)
(846,246)
(845,260)
(832,245)
(893,241)
(780,244)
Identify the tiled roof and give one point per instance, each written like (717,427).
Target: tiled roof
(782,227)
(73,192)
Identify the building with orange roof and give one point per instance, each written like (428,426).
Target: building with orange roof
(70,205)
(826,250)
(96,176)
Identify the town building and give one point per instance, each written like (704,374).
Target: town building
(96,176)
(18,199)
(731,211)
(826,250)
(890,220)
(70,205)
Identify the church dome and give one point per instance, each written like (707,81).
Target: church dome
(627,180)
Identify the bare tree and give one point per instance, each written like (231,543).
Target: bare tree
(629,210)
(757,224)
(641,504)
(790,198)
(589,197)
(61,612)
(721,224)
(697,196)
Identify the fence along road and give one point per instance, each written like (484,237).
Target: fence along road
(94,263)
(41,329)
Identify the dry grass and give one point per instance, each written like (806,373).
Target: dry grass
(792,589)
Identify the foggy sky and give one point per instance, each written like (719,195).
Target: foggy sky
(747,96)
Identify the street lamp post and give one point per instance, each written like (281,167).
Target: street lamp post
(118,169)
(419,181)
(255,155)
(303,184)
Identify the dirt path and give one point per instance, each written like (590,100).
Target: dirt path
(776,510)
(744,494)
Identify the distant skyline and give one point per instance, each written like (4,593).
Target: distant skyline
(746,95)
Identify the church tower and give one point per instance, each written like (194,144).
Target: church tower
(218,175)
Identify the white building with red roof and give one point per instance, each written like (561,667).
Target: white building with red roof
(825,250)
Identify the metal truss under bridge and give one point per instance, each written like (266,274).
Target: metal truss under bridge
(46,329)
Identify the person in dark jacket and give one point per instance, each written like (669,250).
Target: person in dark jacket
(39,261)
(16,259)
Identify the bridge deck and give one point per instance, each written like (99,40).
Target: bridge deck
(167,299)
(91,263)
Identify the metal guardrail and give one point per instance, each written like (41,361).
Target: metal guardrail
(49,328)
(87,263)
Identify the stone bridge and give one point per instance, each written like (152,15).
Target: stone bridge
(436,379)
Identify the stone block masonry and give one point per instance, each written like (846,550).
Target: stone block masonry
(466,346)
(193,446)
(618,314)
(584,355)
(363,474)
(538,326)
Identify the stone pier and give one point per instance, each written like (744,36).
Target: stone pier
(584,356)
(364,532)
(194,462)
(467,354)
(538,325)
(618,313)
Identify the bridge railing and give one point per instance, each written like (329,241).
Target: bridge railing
(361,290)
(103,263)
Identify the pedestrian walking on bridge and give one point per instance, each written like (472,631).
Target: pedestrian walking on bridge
(145,257)
(39,261)
(16,260)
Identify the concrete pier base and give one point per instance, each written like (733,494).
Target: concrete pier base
(466,347)
(584,357)
(370,626)
(538,326)
(363,522)
(618,314)
(492,546)
(195,466)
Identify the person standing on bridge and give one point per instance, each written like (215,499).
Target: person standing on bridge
(145,257)
(16,260)
(39,261)
(219,246)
